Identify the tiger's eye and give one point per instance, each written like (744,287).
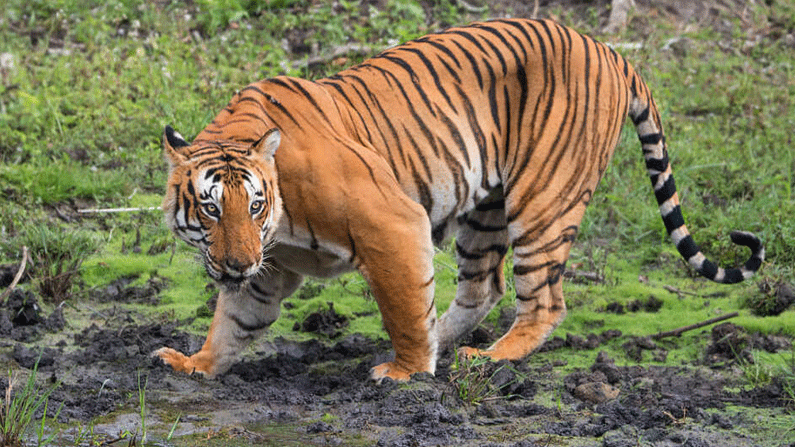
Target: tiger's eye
(256,206)
(212,210)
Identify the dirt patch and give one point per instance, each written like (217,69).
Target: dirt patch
(320,393)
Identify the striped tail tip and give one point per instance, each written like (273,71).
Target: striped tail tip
(711,271)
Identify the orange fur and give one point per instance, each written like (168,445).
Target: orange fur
(497,133)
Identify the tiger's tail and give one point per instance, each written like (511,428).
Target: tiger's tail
(646,118)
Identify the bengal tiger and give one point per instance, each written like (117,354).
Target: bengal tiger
(496,133)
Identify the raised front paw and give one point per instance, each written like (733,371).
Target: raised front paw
(197,363)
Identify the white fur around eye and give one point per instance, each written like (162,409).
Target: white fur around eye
(209,191)
(253,185)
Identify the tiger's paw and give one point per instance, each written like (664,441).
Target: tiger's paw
(390,370)
(465,352)
(182,363)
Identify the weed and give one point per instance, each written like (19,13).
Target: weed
(19,408)
(142,405)
(56,253)
(787,379)
(173,428)
(472,378)
(755,372)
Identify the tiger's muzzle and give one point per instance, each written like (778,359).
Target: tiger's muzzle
(231,272)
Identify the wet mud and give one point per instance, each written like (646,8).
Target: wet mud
(318,392)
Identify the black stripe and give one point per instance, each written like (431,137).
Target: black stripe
(480,253)
(444,49)
(519,270)
(657,164)
(490,206)
(477,276)
(688,248)
(472,62)
(434,75)
(478,226)
(667,191)
(732,276)
(652,138)
(249,327)
(708,270)
(642,116)
(674,219)
(352,243)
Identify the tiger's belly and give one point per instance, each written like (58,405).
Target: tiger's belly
(318,262)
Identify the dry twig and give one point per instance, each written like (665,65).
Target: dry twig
(117,210)
(679,292)
(677,332)
(18,276)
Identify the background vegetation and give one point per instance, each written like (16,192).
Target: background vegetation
(86,89)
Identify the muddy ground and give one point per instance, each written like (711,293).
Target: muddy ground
(318,392)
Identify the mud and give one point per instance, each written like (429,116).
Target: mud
(318,392)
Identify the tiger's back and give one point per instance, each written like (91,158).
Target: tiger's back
(497,132)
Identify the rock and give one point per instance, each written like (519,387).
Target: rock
(596,392)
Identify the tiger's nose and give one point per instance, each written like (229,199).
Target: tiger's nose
(237,267)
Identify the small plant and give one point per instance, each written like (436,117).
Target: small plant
(142,405)
(755,372)
(56,254)
(787,379)
(772,299)
(473,377)
(19,408)
(173,428)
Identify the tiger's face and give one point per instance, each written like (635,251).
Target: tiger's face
(223,198)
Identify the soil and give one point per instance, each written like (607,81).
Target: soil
(317,392)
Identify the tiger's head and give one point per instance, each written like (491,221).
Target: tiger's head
(222,197)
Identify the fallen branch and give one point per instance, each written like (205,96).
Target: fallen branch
(351,48)
(18,276)
(468,7)
(117,210)
(679,292)
(679,331)
(575,275)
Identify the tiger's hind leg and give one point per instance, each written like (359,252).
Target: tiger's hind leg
(539,259)
(240,316)
(481,245)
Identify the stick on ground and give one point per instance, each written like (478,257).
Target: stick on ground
(679,331)
(18,276)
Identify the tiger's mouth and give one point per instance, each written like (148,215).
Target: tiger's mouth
(230,280)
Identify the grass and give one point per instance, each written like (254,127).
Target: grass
(18,411)
(56,254)
(472,379)
(86,88)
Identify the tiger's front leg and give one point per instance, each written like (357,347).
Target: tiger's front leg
(241,315)
(397,262)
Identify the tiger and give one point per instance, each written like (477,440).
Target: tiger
(493,135)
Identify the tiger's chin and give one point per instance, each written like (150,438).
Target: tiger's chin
(227,281)
(232,283)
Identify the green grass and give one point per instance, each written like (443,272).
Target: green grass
(85,96)
(18,412)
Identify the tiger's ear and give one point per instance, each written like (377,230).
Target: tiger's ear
(267,145)
(173,143)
